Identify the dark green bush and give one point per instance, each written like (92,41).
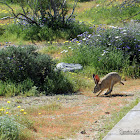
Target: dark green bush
(31,33)
(26,68)
(1,31)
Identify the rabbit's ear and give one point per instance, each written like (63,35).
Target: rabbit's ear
(96,78)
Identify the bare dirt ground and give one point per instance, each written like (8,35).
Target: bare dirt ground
(78,116)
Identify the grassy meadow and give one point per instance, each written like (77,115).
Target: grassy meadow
(103,36)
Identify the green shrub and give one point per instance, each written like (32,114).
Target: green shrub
(9,129)
(47,33)
(31,33)
(25,68)
(57,85)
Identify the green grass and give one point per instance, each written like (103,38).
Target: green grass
(5,11)
(102,13)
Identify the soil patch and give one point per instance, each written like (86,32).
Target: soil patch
(77,116)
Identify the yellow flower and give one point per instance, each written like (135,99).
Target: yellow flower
(66,42)
(58,99)
(73,73)
(7,108)
(39,113)
(25,113)
(8,102)
(18,106)
(1,109)
(7,112)
(21,110)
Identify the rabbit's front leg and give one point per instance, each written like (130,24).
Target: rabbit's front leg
(99,93)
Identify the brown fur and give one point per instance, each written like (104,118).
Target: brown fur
(107,82)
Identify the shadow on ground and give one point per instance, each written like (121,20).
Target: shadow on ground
(117,95)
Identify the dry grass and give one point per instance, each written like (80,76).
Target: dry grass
(68,116)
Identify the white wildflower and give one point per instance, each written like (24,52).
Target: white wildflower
(124,30)
(89,36)
(104,52)
(117,37)
(98,35)
(64,51)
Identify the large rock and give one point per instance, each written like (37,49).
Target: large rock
(68,67)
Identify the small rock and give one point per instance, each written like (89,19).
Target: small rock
(95,122)
(107,112)
(83,132)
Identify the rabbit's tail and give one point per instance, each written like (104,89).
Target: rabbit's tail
(122,83)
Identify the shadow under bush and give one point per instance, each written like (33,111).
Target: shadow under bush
(26,68)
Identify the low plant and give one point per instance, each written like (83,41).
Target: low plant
(9,129)
(14,123)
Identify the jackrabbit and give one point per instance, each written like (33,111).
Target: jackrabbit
(107,82)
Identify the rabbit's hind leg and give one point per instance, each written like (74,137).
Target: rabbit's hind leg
(109,89)
(109,92)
